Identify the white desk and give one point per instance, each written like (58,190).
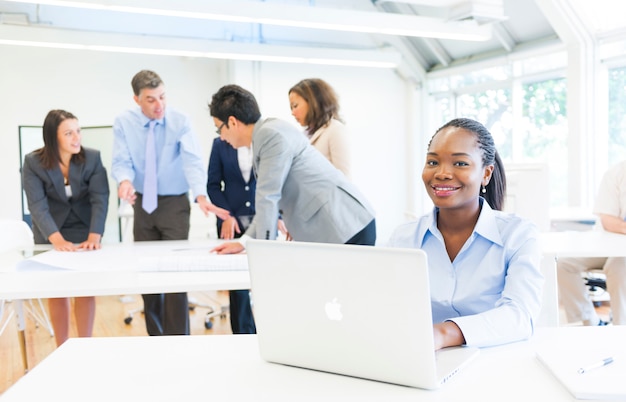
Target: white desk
(123,278)
(572,244)
(591,243)
(228,367)
(116,272)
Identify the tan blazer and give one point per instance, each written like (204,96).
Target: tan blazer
(333,142)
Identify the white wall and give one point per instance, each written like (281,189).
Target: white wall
(96,87)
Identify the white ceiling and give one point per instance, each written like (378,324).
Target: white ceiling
(516,24)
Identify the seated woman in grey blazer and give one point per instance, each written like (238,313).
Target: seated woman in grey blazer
(68,195)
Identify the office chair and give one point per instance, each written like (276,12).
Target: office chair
(595,280)
(221,312)
(17,237)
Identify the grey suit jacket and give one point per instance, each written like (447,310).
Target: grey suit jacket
(316,201)
(47,202)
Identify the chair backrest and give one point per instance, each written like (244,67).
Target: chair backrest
(15,235)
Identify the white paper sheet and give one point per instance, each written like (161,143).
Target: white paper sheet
(605,382)
(166,257)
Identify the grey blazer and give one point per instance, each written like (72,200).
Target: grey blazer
(316,201)
(47,202)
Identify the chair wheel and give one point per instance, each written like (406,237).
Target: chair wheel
(208,324)
(128,320)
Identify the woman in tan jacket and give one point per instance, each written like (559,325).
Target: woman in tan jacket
(314,105)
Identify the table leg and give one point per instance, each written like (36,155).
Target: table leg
(549,315)
(21,331)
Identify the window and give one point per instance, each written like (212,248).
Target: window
(493,109)
(524,108)
(617,115)
(544,132)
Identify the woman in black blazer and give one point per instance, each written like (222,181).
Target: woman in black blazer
(68,195)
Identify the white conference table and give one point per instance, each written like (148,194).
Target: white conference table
(116,269)
(121,268)
(592,243)
(229,368)
(124,278)
(554,245)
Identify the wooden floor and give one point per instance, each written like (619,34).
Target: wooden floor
(110,314)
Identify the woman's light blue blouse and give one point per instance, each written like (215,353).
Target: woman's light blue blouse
(492,290)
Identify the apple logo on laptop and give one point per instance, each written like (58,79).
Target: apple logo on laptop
(333,310)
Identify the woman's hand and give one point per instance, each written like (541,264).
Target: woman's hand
(92,242)
(446,334)
(59,243)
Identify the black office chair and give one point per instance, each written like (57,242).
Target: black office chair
(595,280)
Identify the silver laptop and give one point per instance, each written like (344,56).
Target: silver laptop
(353,310)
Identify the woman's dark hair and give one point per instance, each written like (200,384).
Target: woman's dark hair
(233,100)
(49,154)
(322,100)
(496,188)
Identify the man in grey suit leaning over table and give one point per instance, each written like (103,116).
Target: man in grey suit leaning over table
(315,200)
(156,152)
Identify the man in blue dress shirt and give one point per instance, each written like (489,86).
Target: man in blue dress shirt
(176,159)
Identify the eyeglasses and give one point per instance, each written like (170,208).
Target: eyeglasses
(219,129)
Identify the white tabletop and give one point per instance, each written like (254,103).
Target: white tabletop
(228,367)
(124,276)
(592,243)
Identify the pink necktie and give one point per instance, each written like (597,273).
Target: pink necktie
(149,202)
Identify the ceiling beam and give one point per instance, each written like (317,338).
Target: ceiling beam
(139,44)
(289,15)
(503,36)
(482,11)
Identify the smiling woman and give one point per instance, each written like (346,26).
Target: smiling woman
(67,190)
(476,254)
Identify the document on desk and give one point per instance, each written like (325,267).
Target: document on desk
(186,260)
(142,258)
(589,372)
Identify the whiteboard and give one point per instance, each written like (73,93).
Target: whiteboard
(100,138)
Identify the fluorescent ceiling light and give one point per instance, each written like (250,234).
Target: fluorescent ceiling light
(479,10)
(65,39)
(291,16)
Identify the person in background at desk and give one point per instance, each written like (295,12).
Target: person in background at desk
(610,206)
(314,105)
(67,190)
(316,201)
(484,265)
(156,153)
(232,186)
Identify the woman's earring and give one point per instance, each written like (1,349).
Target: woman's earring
(484,190)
